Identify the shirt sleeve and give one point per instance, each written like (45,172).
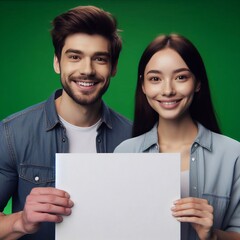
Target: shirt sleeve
(232,218)
(8,173)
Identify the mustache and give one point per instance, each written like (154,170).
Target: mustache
(85,77)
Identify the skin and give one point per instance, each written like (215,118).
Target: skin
(85,69)
(42,205)
(169,87)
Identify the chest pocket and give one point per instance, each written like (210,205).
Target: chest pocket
(220,205)
(38,175)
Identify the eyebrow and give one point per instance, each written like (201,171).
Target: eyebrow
(70,50)
(175,71)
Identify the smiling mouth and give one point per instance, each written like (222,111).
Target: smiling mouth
(170,103)
(86,84)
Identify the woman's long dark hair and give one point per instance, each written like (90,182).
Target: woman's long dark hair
(201,108)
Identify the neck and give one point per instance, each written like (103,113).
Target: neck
(177,133)
(177,137)
(76,114)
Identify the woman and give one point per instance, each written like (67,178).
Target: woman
(174,113)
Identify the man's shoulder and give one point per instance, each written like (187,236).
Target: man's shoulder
(34,113)
(118,118)
(31,111)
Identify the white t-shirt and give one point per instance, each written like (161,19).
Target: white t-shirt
(81,139)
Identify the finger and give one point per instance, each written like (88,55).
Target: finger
(38,217)
(50,209)
(35,213)
(193,204)
(49,191)
(50,199)
(190,200)
(200,207)
(193,213)
(205,222)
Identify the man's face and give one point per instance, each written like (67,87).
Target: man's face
(85,67)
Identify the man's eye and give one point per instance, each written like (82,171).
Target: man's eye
(74,57)
(101,59)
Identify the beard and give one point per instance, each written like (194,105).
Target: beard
(86,98)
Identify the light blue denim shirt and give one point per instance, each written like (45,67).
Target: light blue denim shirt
(214,172)
(28,142)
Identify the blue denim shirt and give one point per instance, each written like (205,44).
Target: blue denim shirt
(28,142)
(214,172)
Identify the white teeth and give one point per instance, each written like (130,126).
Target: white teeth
(169,103)
(85,84)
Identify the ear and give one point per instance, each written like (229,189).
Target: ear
(56,65)
(198,86)
(143,88)
(114,70)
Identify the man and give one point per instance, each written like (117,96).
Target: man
(74,119)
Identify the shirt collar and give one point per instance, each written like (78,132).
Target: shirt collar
(51,115)
(106,116)
(204,137)
(150,138)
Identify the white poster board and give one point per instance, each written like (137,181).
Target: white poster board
(119,196)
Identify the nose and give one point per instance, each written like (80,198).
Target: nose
(167,88)
(86,67)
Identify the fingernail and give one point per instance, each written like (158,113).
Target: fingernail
(68,211)
(173,207)
(67,195)
(60,219)
(70,203)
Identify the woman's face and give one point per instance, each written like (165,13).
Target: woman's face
(169,85)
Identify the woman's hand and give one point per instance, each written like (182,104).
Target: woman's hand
(197,212)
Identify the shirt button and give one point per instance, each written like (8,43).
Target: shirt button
(195,145)
(36,178)
(98,140)
(64,140)
(195,188)
(193,159)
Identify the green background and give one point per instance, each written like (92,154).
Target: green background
(26,51)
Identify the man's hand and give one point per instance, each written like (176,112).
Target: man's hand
(43,205)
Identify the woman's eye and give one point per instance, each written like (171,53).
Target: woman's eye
(182,77)
(154,79)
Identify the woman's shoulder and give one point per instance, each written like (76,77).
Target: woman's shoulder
(225,142)
(216,141)
(141,143)
(130,145)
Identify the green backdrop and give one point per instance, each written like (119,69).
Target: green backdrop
(27,76)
